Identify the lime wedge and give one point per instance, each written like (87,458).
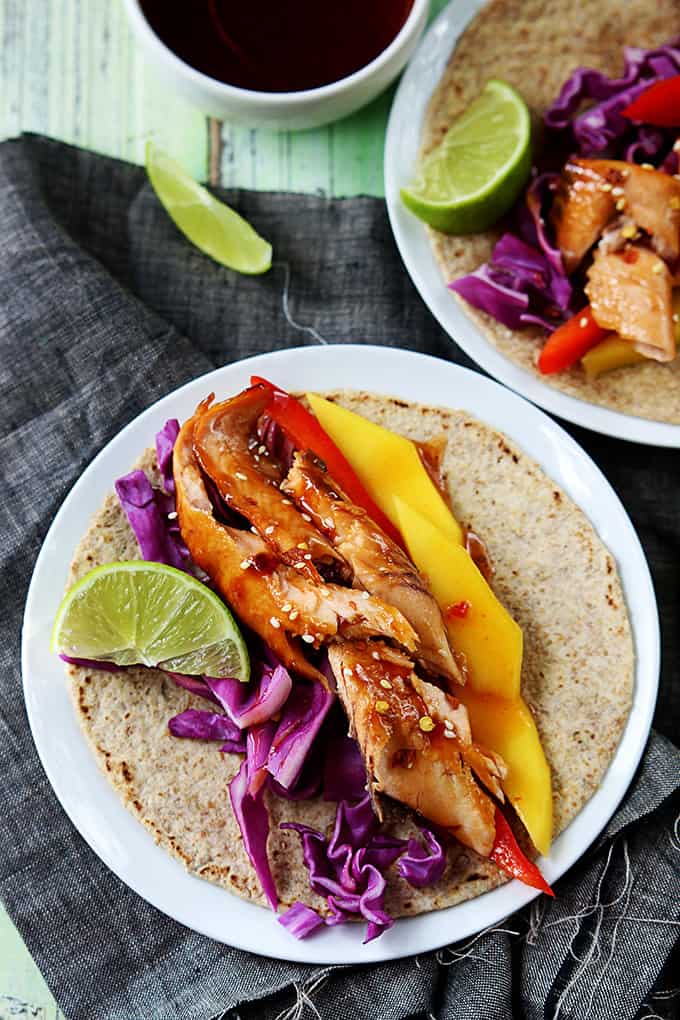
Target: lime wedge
(209,224)
(474,176)
(140,613)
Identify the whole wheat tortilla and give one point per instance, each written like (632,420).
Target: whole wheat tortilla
(535,45)
(552,572)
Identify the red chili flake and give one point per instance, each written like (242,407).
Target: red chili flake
(458,610)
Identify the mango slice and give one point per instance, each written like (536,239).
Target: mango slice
(388,465)
(487,635)
(508,728)
(610,353)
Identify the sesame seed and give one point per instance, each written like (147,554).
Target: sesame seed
(244,564)
(294,615)
(365,595)
(658,267)
(325,592)
(617,192)
(625,173)
(448,724)
(583,321)
(306,517)
(382,707)
(262,449)
(299,566)
(621,204)
(629,231)
(386,684)
(328,522)
(375,656)
(309,638)
(286,607)
(307,556)
(172,515)
(287,502)
(254,530)
(347,671)
(302,545)
(274,622)
(646,166)
(269,529)
(410,764)
(675,202)
(676,317)
(606,186)
(450,734)
(241,476)
(426,724)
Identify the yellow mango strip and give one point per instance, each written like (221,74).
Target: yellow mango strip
(388,465)
(508,728)
(610,353)
(487,635)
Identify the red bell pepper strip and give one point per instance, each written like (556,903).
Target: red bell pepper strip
(570,342)
(508,856)
(659,104)
(306,432)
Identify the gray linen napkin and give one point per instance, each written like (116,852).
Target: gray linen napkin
(103,309)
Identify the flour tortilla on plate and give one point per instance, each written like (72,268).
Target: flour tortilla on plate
(535,45)
(552,572)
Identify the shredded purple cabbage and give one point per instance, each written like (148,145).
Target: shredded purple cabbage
(253,821)
(156,543)
(194,684)
(601,128)
(300,920)
(348,869)
(518,286)
(304,712)
(109,667)
(151,512)
(197,724)
(344,776)
(258,746)
(423,865)
(248,705)
(165,444)
(278,444)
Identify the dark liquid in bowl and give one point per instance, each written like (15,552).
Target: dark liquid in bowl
(271,46)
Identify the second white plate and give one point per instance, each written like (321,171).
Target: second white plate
(401,150)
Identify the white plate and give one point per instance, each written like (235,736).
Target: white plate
(401,150)
(118,838)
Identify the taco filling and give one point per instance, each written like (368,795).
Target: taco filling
(592,249)
(384,672)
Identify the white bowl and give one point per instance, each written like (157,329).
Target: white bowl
(281,110)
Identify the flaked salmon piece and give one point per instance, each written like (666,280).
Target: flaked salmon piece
(279,602)
(488,766)
(630,293)
(406,750)
(581,210)
(377,563)
(247,479)
(649,197)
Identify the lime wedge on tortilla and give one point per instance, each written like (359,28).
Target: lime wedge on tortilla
(149,614)
(209,224)
(475,174)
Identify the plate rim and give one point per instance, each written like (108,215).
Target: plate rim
(408,107)
(343,945)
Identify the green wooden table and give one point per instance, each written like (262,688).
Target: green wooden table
(71,69)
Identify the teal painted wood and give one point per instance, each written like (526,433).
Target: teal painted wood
(70,69)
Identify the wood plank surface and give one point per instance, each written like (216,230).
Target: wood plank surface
(72,70)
